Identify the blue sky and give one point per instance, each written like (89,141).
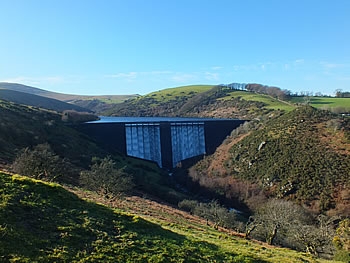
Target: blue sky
(140,46)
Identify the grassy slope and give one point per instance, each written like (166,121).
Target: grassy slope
(170,93)
(64,97)
(271,103)
(160,103)
(325,102)
(23,126)
(200,101)
(54,225)
(38,101)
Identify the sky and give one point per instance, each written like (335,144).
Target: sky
(113,47)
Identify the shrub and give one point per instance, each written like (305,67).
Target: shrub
(188,205)
(40,163)
(342,241)
(106,178)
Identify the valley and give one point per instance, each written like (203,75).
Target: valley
(288,155)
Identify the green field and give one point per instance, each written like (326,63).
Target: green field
(168,94)
(270,102)
(325,102)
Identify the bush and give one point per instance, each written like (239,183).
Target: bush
(40,163)
(104,177)
(212,211)
(188,205)
(341,241)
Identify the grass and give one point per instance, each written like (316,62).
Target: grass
(325,102)
(63,97)
(110,99)
(37,101)
(270,102)
(52,224)
(168,94)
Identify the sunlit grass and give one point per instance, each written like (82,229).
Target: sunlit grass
(55,225)
(270,102)
(171,93)
(325,102)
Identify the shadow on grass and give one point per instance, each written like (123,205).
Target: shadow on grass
(46,223)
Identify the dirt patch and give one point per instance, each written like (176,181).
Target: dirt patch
(221,155)
(334,139)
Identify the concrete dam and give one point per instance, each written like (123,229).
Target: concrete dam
(164,140)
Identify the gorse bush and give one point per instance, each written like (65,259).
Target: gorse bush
(106,178)
(41,163)
(342,241)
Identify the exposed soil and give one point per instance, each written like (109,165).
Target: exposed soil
(222,154)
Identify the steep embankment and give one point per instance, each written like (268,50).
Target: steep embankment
(23,126)
(302,155)
(54,225)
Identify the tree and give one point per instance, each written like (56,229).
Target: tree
(106,178)
(314,238)
(40,163)
(275,219)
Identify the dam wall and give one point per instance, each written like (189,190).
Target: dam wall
(166,141)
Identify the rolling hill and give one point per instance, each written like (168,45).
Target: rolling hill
(38,101)
(92,103)
(200,101)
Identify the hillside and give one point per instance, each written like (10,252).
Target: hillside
(93,103)
(288,152)
(54,225)
(339,105)
(23,126)
(200,101)
(303,155)
(38,101)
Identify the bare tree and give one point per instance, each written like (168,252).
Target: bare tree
(275,219)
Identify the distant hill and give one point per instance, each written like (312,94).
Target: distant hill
(303,155)
(38,101)
(200,101)
(93,103)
